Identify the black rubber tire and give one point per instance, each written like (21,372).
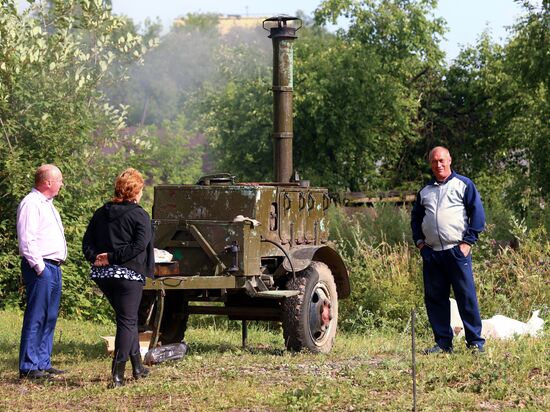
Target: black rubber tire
(174,316)
(301,327)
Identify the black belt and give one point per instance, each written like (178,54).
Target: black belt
(53,262)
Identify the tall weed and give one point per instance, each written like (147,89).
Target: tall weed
(514,281)
(386,270)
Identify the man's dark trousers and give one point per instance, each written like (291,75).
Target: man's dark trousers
(443,269)
(43,296)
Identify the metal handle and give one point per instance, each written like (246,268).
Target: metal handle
(287,202)
(302,201)
(310,201)
(326,201)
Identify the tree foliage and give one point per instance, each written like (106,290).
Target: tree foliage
(493,114)
(357,98)
(237,121)
(174,154)
(53,56)
(369,102)
(528,61)
(57,61)
(375,98)
(378,71)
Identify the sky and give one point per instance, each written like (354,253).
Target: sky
(466,19)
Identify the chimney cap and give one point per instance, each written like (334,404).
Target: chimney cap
(280,22)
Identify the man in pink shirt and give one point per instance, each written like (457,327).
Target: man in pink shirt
(43,249)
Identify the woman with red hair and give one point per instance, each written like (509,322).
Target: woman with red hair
(119,244)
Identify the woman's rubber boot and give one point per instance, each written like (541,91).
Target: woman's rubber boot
(117,371)
(138,370)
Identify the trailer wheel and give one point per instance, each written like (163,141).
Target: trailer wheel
(173,323)
(310,318)
(174,318)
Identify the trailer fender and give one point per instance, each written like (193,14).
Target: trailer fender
(302,257)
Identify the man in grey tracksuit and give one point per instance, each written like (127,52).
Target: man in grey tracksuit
(446,220)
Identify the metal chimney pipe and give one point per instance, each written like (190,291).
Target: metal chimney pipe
(282,35)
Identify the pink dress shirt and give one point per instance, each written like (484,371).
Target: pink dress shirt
(40,231)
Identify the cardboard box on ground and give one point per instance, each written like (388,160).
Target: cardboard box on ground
(144,339)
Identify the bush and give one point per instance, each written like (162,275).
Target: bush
(384,268)
(513,282)
(386,277)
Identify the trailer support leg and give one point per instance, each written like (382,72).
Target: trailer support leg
(158,318)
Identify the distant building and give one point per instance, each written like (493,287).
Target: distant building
(232,21)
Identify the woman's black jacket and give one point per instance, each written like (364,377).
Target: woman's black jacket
(124,231)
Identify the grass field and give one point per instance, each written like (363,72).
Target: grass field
(362,373)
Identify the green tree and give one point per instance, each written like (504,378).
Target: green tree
(373,87)
(469,114)
(237,121)
(233,108)
(493,114)
(528,61)
(357,98)
(175,155)
(53,57)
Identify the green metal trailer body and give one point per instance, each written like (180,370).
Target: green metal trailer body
(249,251)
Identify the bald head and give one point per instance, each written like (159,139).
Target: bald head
(438,149)
(48,180)
(46,172)
(440,162)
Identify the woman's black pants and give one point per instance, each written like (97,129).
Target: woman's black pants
(124,296)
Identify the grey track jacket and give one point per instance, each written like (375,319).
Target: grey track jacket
(446,214)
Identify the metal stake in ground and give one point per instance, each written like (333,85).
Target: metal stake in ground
(413,350)
(244,334)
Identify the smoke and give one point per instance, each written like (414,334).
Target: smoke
(196,50)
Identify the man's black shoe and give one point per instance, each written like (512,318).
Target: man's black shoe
(34,374)
(54,371)
(477,348)
(437,349)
